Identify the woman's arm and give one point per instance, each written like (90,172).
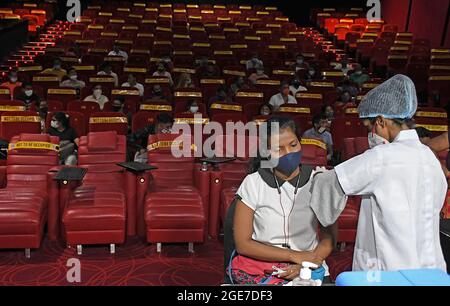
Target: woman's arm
(246,246)
(327,244)
(439,144)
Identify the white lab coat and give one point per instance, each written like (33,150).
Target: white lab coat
(403,189)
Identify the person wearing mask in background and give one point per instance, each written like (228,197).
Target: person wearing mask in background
(72,81)
(296,86)
(328,112)
(167,61)
(68,138)
(312,74)
(258,75)
(343,66)
(161,72)
(401,183)
(138,141)
(273,223)
(347,85)
(284,97)
(345,101)
(118,106)
(56,70)
(220,97)
(319,131)
(254,62)
(157,95)
(265,110)
(132,82)
(42,110)
(238,84)
(209,71)
(12,82)
(185,81)
(106,70)
(192,107)
(358,76)
(116,51)
(300,63)
(97,97)
(28,96)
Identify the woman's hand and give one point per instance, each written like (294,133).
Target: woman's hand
(310,256)
(292,272)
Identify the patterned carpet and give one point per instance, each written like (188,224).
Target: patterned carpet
(133,264)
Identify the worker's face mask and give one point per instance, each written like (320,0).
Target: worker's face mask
(375,139)
(288,163)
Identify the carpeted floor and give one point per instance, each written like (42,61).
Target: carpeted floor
(133,264)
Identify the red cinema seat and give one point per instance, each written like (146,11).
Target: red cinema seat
(84,107)
(433,119)
(314,152)
(249,96)
(61,94)
(15,123)
(11,106)
(348,220)
(102,209)
(330,24)
(226,177)
(354,146)
(224,108)
(175,207)
(108,121)
(346,127)
(230,118)
(5,94)
(30,200)
(439,84)
(184,95)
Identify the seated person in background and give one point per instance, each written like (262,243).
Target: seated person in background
(74,51)
(167,61)
(312,75)
(116,51)
(68,138)
(42,110)
(73,81)
(27,96)
(163,73)
(106,70)
(12,82)
(347,85)
(300,63)
(192,107)
(319,131)
(56,70)
(254,62)
(132,82)
(185,81)
(209,71)
(97,97)
(345,101)
(282,98)
(238,84)
(258,75)
(296,86)
(343,66)
(138,141)
(118,106)
(424,134)
(328,112)
(265,110)
(156,95)
(358,76)
(220,97)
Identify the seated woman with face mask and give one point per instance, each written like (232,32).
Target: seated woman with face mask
(98,97)
(274,227)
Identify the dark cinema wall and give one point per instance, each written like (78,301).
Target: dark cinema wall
(425,18)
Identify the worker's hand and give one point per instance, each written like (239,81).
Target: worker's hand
(291,273)
(310,256)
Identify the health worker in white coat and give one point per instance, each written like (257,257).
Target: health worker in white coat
(400,180)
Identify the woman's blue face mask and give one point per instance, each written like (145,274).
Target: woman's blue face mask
(288,163)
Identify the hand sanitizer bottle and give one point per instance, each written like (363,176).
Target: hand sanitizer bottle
(305,275)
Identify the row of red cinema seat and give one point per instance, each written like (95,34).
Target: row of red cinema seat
(110,203)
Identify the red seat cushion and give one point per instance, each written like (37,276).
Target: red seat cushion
(174,209)
(95,212)
(348,219)
(20,215)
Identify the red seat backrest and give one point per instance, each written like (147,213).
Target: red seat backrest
(108,121)
(354,146)
(346,127)
(15,123)
(314,152)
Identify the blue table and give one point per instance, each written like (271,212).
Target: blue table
(425,277)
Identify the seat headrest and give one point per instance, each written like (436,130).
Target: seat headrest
(34,144)
(102,141)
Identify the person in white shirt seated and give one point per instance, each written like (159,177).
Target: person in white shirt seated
(73,81)
(161,71)
(97,97)
(296,86)
(132,82)
(283,97)
(117,52)
(254,62)
(343,66)
(106,70)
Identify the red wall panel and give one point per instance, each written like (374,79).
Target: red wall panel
(428,19)
(395,12)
